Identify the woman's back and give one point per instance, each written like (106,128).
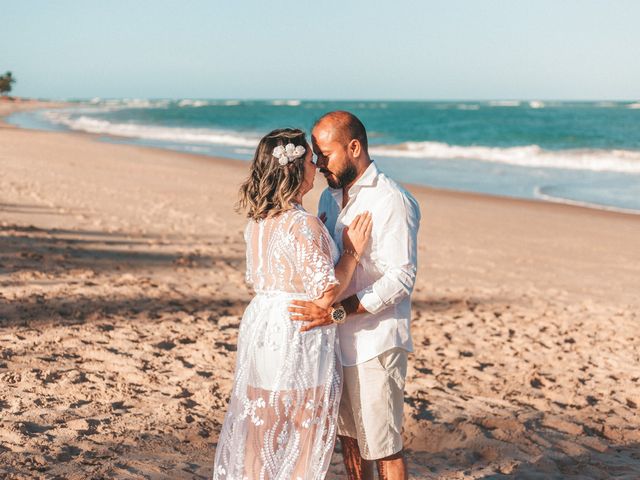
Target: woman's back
(292,252)
(281,418)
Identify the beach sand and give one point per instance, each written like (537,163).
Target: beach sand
(122,287)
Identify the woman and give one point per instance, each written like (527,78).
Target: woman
(281,418)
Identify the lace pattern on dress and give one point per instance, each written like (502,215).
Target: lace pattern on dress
(291,253)
(281,419)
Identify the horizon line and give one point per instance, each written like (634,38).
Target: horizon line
(310,99)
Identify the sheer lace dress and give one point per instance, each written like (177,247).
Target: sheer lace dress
(281,418)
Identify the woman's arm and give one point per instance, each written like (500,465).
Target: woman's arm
(355,238)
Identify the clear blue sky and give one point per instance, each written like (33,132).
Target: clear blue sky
(331,49)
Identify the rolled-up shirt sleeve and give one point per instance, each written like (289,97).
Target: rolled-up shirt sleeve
(395,231)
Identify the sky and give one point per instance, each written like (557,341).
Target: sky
(331,49)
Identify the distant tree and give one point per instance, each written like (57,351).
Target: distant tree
(6,81)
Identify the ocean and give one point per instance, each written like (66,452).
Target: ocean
(585,153)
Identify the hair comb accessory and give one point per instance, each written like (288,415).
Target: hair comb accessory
(288,153)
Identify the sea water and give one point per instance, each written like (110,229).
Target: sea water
(584,153)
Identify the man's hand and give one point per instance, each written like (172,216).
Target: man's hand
(311,313)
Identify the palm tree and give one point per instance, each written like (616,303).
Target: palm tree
(6,81)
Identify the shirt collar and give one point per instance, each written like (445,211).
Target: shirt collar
(367,179)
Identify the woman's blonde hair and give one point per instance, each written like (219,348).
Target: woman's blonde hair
(271,187)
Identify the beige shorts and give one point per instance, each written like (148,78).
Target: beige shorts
(372,402)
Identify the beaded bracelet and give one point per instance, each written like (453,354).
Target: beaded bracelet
(354,254)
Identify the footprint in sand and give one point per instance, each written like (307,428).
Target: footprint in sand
(32,429)
(165,345)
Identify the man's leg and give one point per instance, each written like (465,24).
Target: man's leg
(382,408)
(393,467)
(357,468)
(371,411)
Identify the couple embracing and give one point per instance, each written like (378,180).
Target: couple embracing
(322,347)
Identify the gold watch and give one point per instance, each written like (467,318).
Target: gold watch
(338,314)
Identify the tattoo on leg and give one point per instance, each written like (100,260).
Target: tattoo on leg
(351,456)
(392,467)
(357,468)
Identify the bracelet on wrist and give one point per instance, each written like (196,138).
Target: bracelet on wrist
(353,253)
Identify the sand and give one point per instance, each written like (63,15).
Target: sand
(122,287)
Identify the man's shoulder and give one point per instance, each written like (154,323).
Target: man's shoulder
(392,190)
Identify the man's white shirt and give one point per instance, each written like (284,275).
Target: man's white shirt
(385,276)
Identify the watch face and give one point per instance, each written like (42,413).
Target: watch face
(338,314)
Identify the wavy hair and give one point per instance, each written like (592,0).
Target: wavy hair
(271,187)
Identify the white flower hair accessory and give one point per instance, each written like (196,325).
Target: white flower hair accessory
(288,153)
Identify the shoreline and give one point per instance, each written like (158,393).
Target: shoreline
(548,215)
(18,104)
(543,199)
(542,211)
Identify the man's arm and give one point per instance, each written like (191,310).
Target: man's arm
(352,305)
(398,248)
(397,251)
(316,316)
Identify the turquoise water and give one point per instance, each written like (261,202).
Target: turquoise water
(574,152)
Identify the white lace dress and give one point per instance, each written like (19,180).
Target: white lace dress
(281,418)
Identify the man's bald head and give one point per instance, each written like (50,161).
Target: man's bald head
(339,141)
(345,126)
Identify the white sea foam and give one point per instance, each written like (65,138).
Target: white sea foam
(187,102)
(243,151)
(195,149)
(542,194)
(525,156)
(536,104)
(129,102)
(504,103)
(605,104)
(87,124)
(467,106)
(288,103)
(626,161)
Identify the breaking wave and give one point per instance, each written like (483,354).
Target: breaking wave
(525,156)
(87,124)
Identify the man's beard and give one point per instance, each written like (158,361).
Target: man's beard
(345,177)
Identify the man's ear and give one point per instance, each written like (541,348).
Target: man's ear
(355,148)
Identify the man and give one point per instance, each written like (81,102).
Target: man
(374,336)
